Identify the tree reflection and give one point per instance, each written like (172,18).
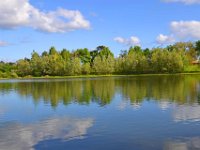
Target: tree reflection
(179,89)
(79,91)
(175,88)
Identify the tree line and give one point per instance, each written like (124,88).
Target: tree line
(170,59)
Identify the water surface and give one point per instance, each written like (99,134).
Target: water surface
(119,113)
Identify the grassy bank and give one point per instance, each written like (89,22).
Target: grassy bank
(99,76)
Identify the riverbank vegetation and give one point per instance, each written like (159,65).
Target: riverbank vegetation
(177,58)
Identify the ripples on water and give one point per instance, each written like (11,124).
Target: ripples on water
(151,112)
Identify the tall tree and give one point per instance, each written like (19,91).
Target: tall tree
(84,55)
(197,47)
(36,64)
(103,65)
(23,68)
(53,51)
(65,54)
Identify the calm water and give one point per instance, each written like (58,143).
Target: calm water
(141,113)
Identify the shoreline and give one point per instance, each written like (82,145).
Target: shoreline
(97,76)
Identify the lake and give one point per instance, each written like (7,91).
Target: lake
(110,113)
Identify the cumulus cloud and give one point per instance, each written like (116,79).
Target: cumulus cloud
(20,13)
(164,39)
(184,1)
(181,30)
(186,29)
(3,43)
(25,136)
(132,41)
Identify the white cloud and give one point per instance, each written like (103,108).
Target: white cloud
(3,43)
(132,41)
(186,29)
(181,30)
(164,39)
(25,136)
(18,13)
(120,40)
(184,1)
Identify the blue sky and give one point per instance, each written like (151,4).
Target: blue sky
(27,25)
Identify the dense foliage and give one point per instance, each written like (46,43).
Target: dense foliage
(171,59)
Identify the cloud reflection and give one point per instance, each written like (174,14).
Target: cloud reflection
(164,104)
(25,136)
(124,105)
(187,113)
(187,144)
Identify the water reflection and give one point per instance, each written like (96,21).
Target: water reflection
(186,144)
(164,104)
(82,92)
(165,113)
(14,135)
(187,113)
(179,89)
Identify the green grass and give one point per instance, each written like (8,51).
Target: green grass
(194,68)
(190,70)
(97,76)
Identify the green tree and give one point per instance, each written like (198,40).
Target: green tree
(159,60)
(75,66)
(197,47)
(188,48)
(84,55)
(104,52)
(54,65)
(23,68)
(65,54)
(103,65)
(37,65)
(53,51)
(135,49)
(147,53)
(45,53)
(86,68)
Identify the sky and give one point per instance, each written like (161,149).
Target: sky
(27,25)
